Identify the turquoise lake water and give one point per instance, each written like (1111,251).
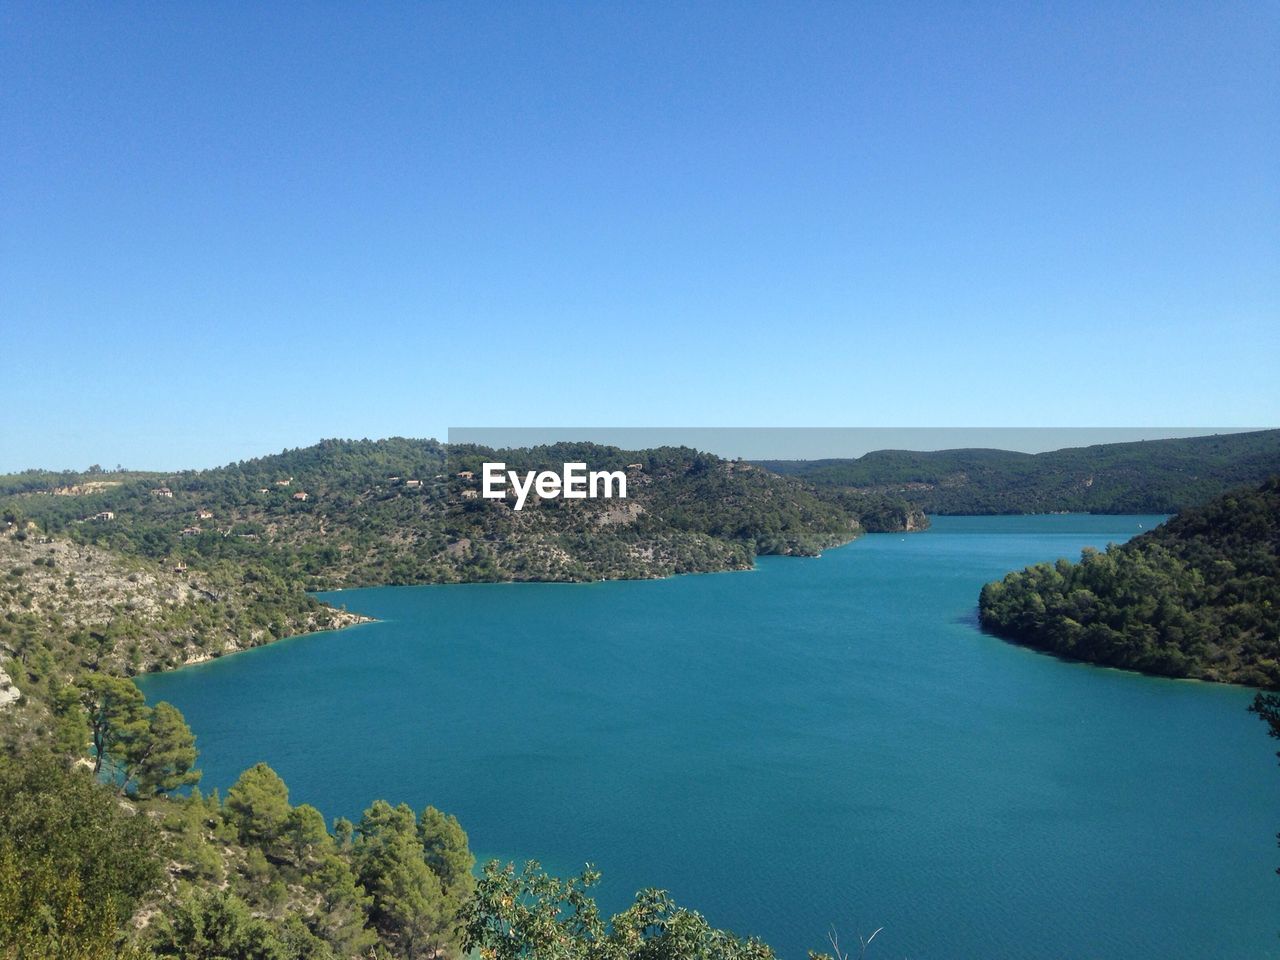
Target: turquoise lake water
(819,742)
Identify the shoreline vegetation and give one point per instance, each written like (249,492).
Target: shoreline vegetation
(124,572)
(107,846)
(130,572)
(109,849)
(96,867)
(391,512)
(1196,598)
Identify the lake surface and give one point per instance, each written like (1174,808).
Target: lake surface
(819,742)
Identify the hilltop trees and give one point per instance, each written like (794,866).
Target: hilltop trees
(240,524)
(294,864)
(1146,476)
(394,879)
(250,878)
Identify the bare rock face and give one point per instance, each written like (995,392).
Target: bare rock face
(916,521)
(74,591)
(8,692)
(623,513)
(86,585)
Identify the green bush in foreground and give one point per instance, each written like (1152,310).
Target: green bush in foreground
(530,914)
(74,863)
(88,875)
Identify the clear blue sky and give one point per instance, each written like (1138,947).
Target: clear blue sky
(230,228)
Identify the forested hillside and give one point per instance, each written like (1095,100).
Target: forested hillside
(103,851)
(1199,596)
(1152,476)
(347,513)
(121,573)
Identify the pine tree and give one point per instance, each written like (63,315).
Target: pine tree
(165,759)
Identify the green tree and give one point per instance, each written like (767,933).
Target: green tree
(258,806)
(445,849)
(343,907)
(408,909)
(118,719)
(73,863)
(344,832)
(70,726)
(164,759)
(305,834)
(534,916)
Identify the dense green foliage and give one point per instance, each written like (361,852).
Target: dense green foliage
(1199,596)
(533,916)
(346,513)
(83,875)
(74,865)
(217,925)
(268,879)
(1152,476)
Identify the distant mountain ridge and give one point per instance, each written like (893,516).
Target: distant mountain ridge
(1148,476)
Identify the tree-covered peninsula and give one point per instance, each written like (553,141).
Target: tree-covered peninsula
(1198,597)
